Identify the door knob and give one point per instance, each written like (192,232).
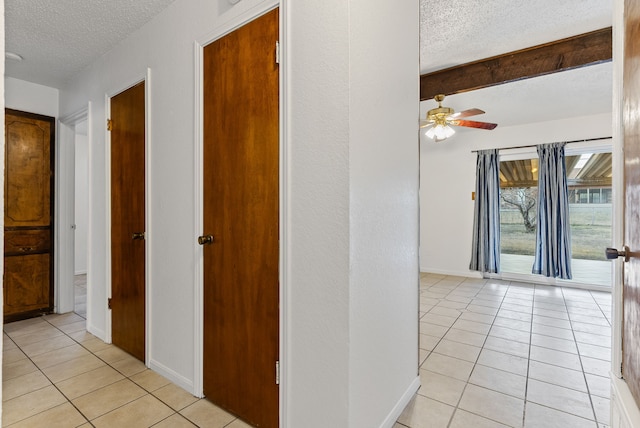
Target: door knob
(205,239)
(613,253)
(137,236)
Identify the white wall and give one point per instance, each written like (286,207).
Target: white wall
(352,243)
(350,269)
(384,179)
(317,244)
(447,178)
(81,203)
(30,97)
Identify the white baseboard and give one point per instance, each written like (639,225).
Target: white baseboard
(174,377)
(100,334)
(624,411)
(161,369)
(395,413)
(467,273)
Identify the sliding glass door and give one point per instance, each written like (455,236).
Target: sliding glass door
(590,212)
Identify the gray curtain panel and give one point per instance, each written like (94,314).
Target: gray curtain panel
(485,249)
(553,233)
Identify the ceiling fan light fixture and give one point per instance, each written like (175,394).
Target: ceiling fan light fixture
(442,118)
(440,132)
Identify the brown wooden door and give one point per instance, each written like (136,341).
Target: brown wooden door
(128,220)
(241,293)
(28,215)
(631,123)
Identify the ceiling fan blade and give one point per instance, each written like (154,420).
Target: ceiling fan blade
(466,113)
(474,124)
(425,123)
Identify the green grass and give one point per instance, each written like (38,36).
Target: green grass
(590,233)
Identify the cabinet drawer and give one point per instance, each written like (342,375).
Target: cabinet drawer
(18,242)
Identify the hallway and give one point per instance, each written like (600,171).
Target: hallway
(499,353)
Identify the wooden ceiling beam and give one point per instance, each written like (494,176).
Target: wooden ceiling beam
(561,55)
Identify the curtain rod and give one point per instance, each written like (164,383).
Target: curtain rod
(536,145)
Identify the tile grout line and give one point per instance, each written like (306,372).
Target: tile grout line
(478,357)
(575,342)
(147,391)
(50,381)
(68,400)
(584,374)
(455,408)
(127,377)
(467,383)
(526,384)
(568,318)
(63,394)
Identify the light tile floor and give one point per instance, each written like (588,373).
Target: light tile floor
(80,295)
(507,354)
(55,374)
(492,353)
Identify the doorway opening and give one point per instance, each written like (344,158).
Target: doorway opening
(73,133)
(81,217)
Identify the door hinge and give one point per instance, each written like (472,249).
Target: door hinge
(109,124)
(109,303)
(277,372)
(277,52)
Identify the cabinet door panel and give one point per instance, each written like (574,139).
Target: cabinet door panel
(28,219)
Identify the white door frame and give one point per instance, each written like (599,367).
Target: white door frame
(64,222)
(198,170)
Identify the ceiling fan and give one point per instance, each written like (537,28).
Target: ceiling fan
(440,119)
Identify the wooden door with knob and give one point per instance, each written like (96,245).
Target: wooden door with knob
(127,302)
(631,125)
(630,368)
(241,222)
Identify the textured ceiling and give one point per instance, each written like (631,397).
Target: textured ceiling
(454,32)
(460,31)
(58,38)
